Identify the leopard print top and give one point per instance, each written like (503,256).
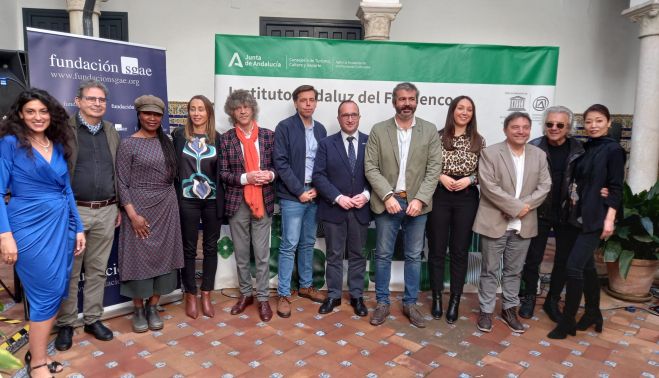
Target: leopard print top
(460,162)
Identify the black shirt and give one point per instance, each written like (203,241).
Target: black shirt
(558,162)
(93,177)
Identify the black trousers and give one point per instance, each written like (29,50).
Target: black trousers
(449,225)
(565,234)
(581,256)
(347,238)
(191,211)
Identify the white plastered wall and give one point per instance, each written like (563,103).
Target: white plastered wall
(598,47)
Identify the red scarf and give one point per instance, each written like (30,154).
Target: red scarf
(253,193)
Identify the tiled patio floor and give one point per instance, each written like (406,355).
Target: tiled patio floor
(343,345)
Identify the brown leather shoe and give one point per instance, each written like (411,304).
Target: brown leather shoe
(265,312)
(414,314)
(311,293)
(284,307)
(484,322)
(206,305)
(509,316)
(380,314)
(191,305)
(242,303)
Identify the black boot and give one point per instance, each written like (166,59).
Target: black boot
(527,306)
(453,307)
(591,292)
(556,284)
(436,307)
(551,307)
(567,325)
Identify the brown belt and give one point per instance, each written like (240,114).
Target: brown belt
(402,194)
(97,204)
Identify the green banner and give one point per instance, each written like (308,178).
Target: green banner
(384,61)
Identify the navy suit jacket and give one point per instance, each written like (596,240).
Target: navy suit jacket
(331,177)
(290,155)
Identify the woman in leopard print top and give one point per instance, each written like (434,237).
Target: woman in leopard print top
(454,204)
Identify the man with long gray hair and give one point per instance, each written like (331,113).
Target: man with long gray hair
(562,151)
(91,169)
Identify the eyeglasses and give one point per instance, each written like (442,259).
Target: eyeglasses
(350,115)
(102,100)
(550,125)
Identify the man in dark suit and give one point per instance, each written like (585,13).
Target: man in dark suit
(338,176)
(246,169)
(296,144)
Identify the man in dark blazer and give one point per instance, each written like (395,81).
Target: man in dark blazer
(296,144)
(514,182)
(339,178)
(249,199)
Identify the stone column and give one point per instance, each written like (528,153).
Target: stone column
(644,156)
(76,10)
(376,16)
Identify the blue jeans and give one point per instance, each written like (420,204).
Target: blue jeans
(298,231)
(386,227)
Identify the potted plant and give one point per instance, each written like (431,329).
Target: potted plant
(632,252)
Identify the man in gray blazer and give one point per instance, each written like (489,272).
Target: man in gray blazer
(514,181)
(402,163)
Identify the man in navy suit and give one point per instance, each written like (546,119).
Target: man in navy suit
(338,176)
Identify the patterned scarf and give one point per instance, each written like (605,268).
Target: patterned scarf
(253,193)
(93,129)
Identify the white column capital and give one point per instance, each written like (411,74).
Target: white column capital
(79,5)
(376,16)
(646,15)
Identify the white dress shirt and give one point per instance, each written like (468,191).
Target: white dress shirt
(404,139)
(518,161)
(355,144)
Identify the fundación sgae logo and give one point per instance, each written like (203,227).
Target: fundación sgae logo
(128,65)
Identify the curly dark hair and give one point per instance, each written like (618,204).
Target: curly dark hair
(58,131)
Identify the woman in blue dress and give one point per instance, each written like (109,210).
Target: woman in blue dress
(40,229)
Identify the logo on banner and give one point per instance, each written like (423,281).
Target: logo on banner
(131,66)
(540,103)
(235,60)
(517,104)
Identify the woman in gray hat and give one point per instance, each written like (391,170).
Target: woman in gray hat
(150,242)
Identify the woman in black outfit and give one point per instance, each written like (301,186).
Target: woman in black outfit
(201,196)
(455,203)
(601,166)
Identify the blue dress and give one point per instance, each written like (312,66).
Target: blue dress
(44,220)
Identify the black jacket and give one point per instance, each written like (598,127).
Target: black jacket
(575,151)
(601,166)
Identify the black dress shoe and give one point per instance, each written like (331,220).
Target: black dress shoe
(64,338)
(99,331)
(436,306)
(328,305)
(359,306)
(453,307)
